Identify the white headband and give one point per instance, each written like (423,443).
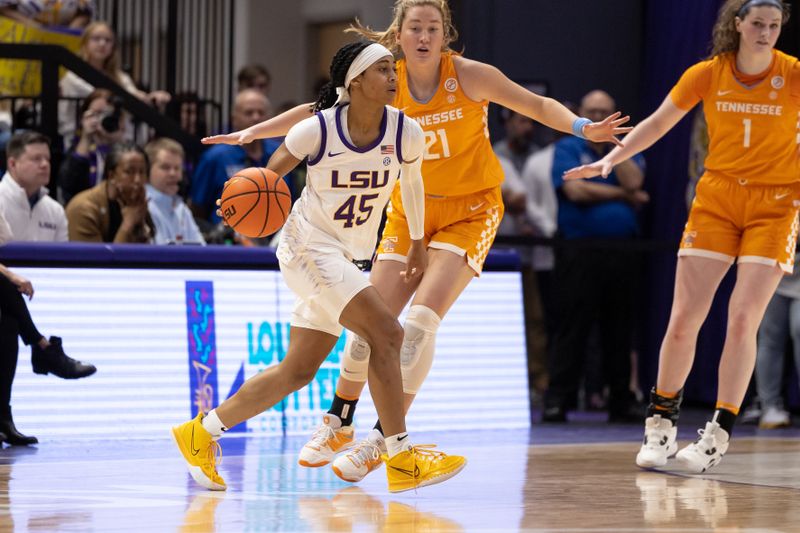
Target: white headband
(369,55)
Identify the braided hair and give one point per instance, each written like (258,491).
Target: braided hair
(339,65)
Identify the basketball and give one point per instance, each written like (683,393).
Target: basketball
(255,202)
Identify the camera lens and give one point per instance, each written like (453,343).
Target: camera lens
(110,122)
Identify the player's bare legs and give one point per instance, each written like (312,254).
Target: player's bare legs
(307,349)
(368,317)
(696,282)
(446,277)
(444,280)
(755,285)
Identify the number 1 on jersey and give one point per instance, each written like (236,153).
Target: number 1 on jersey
(748,125)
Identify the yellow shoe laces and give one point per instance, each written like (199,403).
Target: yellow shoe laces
(214,456)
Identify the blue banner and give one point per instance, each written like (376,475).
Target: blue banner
(202,345)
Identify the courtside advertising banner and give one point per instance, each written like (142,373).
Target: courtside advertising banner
(170,342)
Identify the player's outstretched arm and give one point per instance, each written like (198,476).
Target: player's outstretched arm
(641,138)
(277,126)
(485,82)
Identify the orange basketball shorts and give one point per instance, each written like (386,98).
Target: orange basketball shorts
(733,219)
(465,225)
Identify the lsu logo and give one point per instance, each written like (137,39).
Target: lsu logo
(360,179)
(229,212)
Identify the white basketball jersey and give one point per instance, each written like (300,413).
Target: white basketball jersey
(347,187)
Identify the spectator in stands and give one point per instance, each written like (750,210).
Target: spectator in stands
(114,210)
(99,49)
(70,13)
(256,77)
(31,214)
(222,161)
(517,145)
(100,128)
(594,285)
(513,151)
(173,221)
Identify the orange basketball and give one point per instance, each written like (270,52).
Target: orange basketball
(255,202)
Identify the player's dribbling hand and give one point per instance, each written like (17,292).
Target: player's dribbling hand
(598,168)
(608,129)
(237,137)
(416,261)
(219,212)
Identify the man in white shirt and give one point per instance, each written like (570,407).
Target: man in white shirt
(31,213)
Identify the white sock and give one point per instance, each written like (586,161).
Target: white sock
(397,444)
(214,425)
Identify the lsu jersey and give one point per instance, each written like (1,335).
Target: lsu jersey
(753,130)
(458,155)
(347,187)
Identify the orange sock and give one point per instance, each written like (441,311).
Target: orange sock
(728,407)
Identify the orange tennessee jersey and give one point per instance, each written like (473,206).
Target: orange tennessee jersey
(753,129)
(458,155)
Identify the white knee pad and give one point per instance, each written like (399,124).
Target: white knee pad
(419,339)
(355,361)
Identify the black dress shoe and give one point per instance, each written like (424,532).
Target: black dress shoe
(53,360)
(14,437)
(554,414)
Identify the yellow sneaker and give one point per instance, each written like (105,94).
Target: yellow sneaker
(421,466)
(200,452)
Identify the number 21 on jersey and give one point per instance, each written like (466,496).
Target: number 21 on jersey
(434,149)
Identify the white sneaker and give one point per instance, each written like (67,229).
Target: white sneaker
(329,439)
(773,418)
(659,442)
(362,459)
(707,451)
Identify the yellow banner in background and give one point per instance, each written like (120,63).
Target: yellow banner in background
(21,77)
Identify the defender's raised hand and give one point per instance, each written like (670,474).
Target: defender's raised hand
(608,129)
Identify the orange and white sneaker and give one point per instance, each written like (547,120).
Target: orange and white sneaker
(421,466)
(200,452)
(362,459)
(329,439)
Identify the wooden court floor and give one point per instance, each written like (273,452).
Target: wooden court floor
(578,477)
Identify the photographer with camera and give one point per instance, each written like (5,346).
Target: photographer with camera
(99,48)
(102,124)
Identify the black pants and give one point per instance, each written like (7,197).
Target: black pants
(15,320)
(592,286)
